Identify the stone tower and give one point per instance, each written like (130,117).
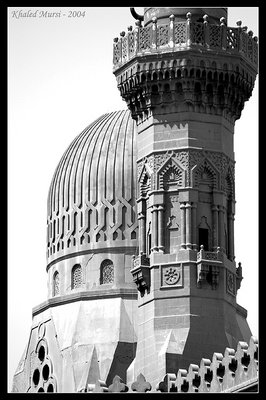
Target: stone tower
(185,76)
(140,236)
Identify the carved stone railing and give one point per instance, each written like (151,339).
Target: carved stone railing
(233,371)
(208,267)
(209,255)
(178,36)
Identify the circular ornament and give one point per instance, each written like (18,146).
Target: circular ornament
(171,276)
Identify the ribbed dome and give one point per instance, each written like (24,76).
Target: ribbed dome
(91,200)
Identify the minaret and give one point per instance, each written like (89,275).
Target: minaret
(185,76)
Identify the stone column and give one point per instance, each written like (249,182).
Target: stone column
(183,225)
(188,226)
(160,229)
(230,223)
(194,226)
(154,226)
(215,227)
(142,232)
(221,228)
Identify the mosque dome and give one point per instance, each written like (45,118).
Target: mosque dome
(91,201)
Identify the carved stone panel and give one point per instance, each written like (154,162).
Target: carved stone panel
(230,283)
(171,276)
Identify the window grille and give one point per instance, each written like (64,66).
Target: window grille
(76,280)
(107,272)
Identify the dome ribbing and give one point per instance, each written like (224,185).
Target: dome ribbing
(91,200)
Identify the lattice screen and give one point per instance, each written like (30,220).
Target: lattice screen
(76,280)
(107,272)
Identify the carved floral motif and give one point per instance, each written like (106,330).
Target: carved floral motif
(171,275)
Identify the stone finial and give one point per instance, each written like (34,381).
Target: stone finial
(154,20)
(129,28)
(255,39)
(205,18)
(206,375)
(253,353)
(239,276)
(138,23)
(115,39)
(243,360)
(239,270)
(172,17)
(117,385)
(222,21)
(122,34)
(189,15)
(239,23)
(218,371)
(193,378)
(250,33)
(230,364)
(245,28)
(141,385)
(181,381)
(167,384)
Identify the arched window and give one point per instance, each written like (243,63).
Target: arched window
(56,284)
(107,272)
(76,276)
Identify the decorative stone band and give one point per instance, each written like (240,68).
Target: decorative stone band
(191,164)
(233,371)
(178,36)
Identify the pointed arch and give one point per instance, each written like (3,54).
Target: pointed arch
(56,283)
(205,173)
(169,174)
(106,272)
(76,276)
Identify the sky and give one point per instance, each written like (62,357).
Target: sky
(59,81)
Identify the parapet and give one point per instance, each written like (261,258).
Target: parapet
(183,35)
(233,371)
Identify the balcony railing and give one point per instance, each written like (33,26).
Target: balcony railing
(177,36)
(209,255)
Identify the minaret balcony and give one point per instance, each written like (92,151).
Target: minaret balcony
(208,267)
(141,273)
(185,66)
(184,35)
